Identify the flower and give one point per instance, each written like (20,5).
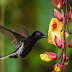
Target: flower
(51,36)
(48,56)
(57,3)
(55,28)
(57,67)
(70,14)
(70,44)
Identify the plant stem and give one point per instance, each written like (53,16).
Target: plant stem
(65,43)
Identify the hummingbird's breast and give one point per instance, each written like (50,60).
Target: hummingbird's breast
(27,47)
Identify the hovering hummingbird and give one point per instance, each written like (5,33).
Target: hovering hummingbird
(21,40)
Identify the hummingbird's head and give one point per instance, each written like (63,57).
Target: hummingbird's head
(38,35)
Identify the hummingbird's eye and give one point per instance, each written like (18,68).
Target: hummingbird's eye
(38,34)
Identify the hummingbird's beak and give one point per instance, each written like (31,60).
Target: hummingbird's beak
(44,36)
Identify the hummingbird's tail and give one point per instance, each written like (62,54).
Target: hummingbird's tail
(4,57)
(13,55)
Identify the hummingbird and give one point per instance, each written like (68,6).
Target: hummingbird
(22,41)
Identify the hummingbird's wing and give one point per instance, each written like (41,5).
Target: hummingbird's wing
(22,31)
(13,36)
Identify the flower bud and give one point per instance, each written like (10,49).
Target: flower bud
(48,56)
(65,58)
(58,42)
(70,44)
(57,67)
(70,14)
(66,61)
(57,3)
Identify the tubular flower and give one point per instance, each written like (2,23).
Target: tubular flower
(70,14)
(57,67)
(57,3)
(70,44)
(48,56)
(55,28)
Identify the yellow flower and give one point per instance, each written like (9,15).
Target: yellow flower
(55,28)
(55,25)
(48,56)
(51,36)
(57,67)
(44,57)
(66,63)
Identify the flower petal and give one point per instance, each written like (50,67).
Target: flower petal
(44,57)
(51,55)
(58,42)
(57,15)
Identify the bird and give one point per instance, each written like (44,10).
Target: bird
(22,41)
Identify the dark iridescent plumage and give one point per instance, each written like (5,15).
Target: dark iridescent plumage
(21,40)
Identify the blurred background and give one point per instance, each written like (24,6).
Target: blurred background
(33,15)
